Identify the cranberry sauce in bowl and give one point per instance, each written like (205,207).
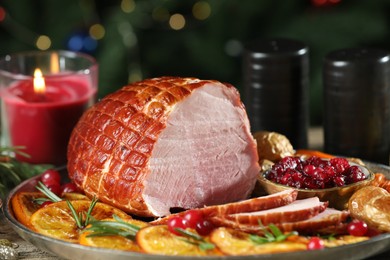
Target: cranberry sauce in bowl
(333,180)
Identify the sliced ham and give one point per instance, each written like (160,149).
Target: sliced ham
(324,222)
(328,218)
(250,205)
(165,143)
(298,210)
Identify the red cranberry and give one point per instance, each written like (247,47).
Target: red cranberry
(309,169)
(55,188)
(353,174)
(339,181)
(69,187)
(192,217)
(285,179)
(51,176)
(357,228)
(315,243)
(204,227)
(174,223)
(290,162)
(339,164)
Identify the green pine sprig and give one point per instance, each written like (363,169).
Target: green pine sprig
(13,172)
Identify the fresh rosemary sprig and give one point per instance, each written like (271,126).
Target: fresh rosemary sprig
(271,234)
(109,228)
(13,172)
(82,218)
(195,239)
(48,193)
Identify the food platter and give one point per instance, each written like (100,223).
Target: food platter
(68,250)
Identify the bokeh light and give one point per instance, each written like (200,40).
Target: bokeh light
(128,36)
(233,47)
(2,14)
(201,10)
(97,31)
(177,21)
(325,2)
(127,6)
(43,42)
(89,44)
(75,42)
(83,42)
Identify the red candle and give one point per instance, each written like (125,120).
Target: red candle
(42,121)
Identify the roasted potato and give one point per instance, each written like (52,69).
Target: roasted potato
(372,205)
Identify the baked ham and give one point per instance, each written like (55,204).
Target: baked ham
(165,143)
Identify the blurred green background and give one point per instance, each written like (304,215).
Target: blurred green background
(134,39)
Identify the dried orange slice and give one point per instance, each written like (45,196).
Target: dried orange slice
(24,205)
(234,242)
(56,220)
(112,241)
(159,240)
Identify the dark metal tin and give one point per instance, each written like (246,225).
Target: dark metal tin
(276,87)
(357,103)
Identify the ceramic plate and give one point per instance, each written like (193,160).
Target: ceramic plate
(68,250)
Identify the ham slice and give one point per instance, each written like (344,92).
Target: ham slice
(298,210)
(165,143)
(250,205)
(324,222)
(329,217)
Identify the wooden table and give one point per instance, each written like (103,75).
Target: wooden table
(30,252)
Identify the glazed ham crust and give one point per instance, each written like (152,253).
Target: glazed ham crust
(163,143)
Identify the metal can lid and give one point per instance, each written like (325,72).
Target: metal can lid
(278,47)
(356,68)
(357,56)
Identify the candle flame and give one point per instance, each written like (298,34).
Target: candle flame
(39,82)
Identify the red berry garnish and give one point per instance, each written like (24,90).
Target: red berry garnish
(314,172)
(176,222)
(340,164)
(69,187)
(357,228)
(339,181)
(51,176)
(353,174)
(44,204)
(204,227)
(315,243)
(55,188)
(192,217)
